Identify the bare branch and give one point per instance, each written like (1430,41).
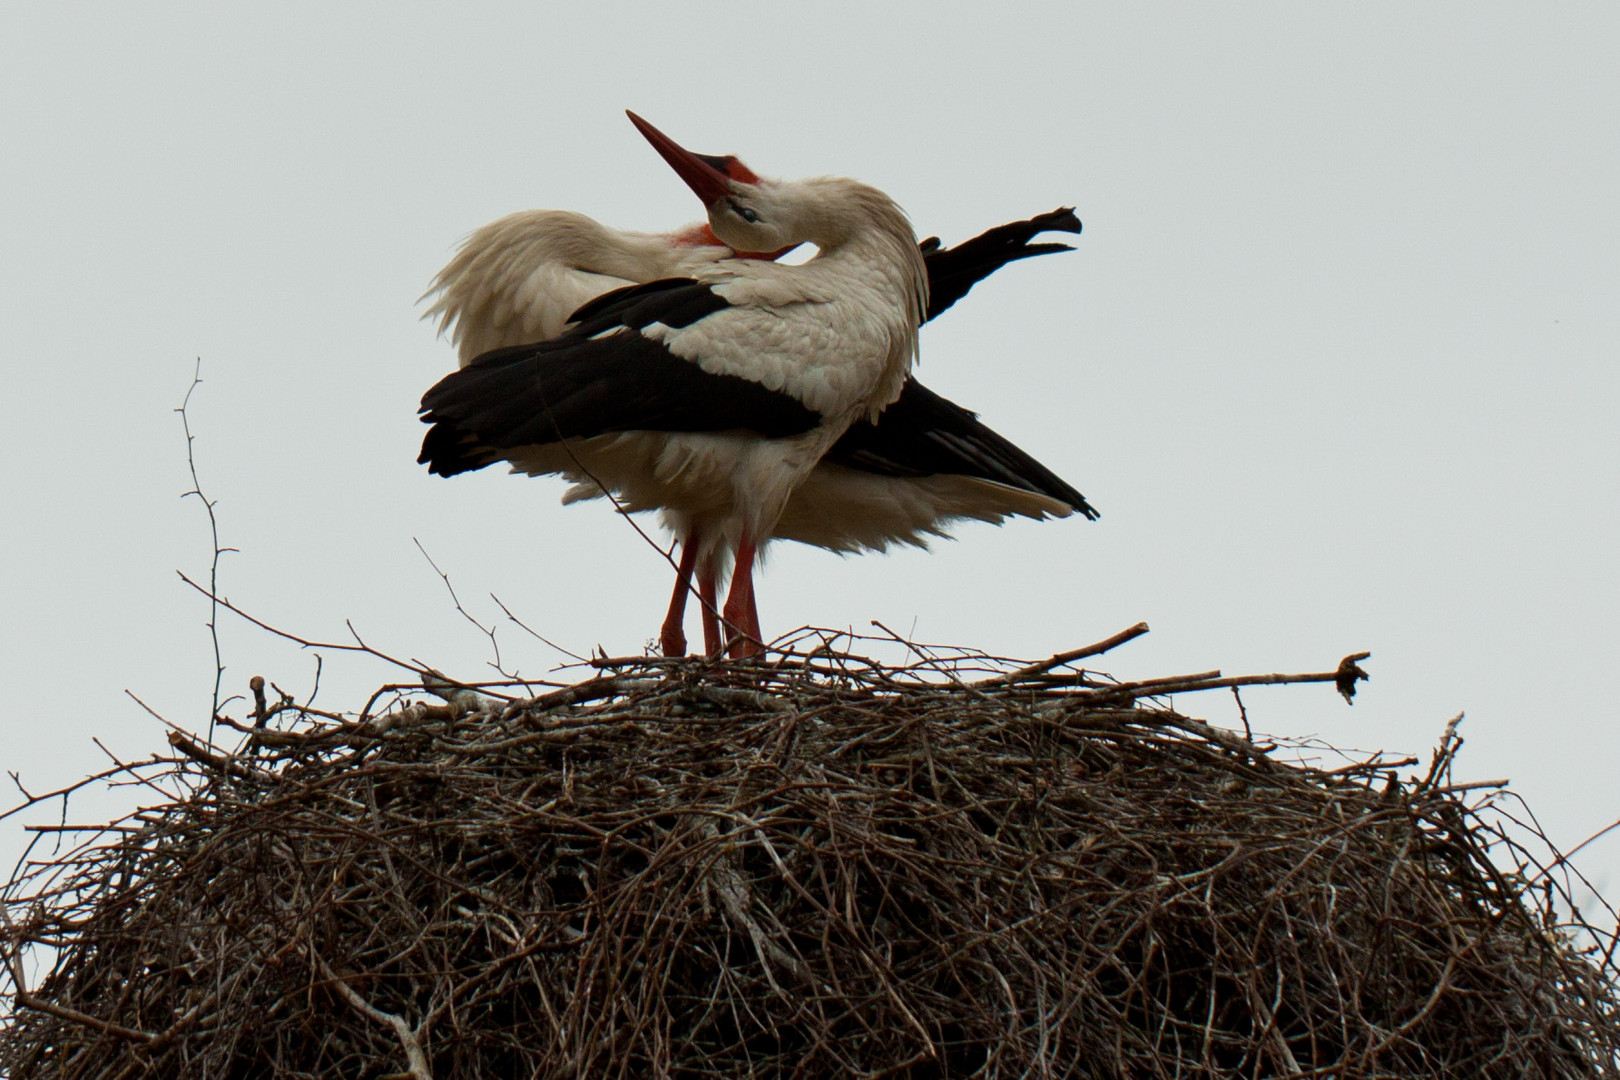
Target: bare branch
(213,533)
(1059,659)
(487,631)
(359,646)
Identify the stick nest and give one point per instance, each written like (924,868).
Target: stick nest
(817,867)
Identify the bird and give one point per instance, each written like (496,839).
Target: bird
(709,396)
(922,464)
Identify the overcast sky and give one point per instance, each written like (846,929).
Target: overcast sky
(1335,357)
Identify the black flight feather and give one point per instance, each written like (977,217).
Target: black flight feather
(923,434)
(953,271)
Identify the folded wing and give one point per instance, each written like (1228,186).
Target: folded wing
(604,375)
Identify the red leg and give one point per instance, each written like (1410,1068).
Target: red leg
(753,618)
(708,592)
(673,634)
(740,612)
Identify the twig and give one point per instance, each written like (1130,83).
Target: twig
(309,643)
(213,532)
(1595,836)
(487,631)
(1243,714)
(1059,659)
(535,634)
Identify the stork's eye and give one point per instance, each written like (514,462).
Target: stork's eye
(744,212)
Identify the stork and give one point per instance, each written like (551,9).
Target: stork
(924,463)
(710,396)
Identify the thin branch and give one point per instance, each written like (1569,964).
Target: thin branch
(1600,833)
(487,631)
(534,634)
(213,533)
(1059,659)
(309,643)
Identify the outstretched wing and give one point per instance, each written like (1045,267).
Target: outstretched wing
(953,271)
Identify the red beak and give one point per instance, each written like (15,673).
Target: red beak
(707,182)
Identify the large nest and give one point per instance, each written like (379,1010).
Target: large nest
(814,867)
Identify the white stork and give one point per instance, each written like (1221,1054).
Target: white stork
(710,396)
(922,464)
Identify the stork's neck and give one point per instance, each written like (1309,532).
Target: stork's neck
(867,243)
(578,241)
(853,223)
(518,279)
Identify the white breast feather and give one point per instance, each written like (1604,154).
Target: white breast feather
(835,344)
(792,351)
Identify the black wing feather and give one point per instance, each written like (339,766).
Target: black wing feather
(923,434)
(601,376)
(675,302)
(953,271)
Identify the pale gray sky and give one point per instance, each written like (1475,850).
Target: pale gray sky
(1336,357)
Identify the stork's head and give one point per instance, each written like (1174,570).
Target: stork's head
(746,213)
(752,215)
